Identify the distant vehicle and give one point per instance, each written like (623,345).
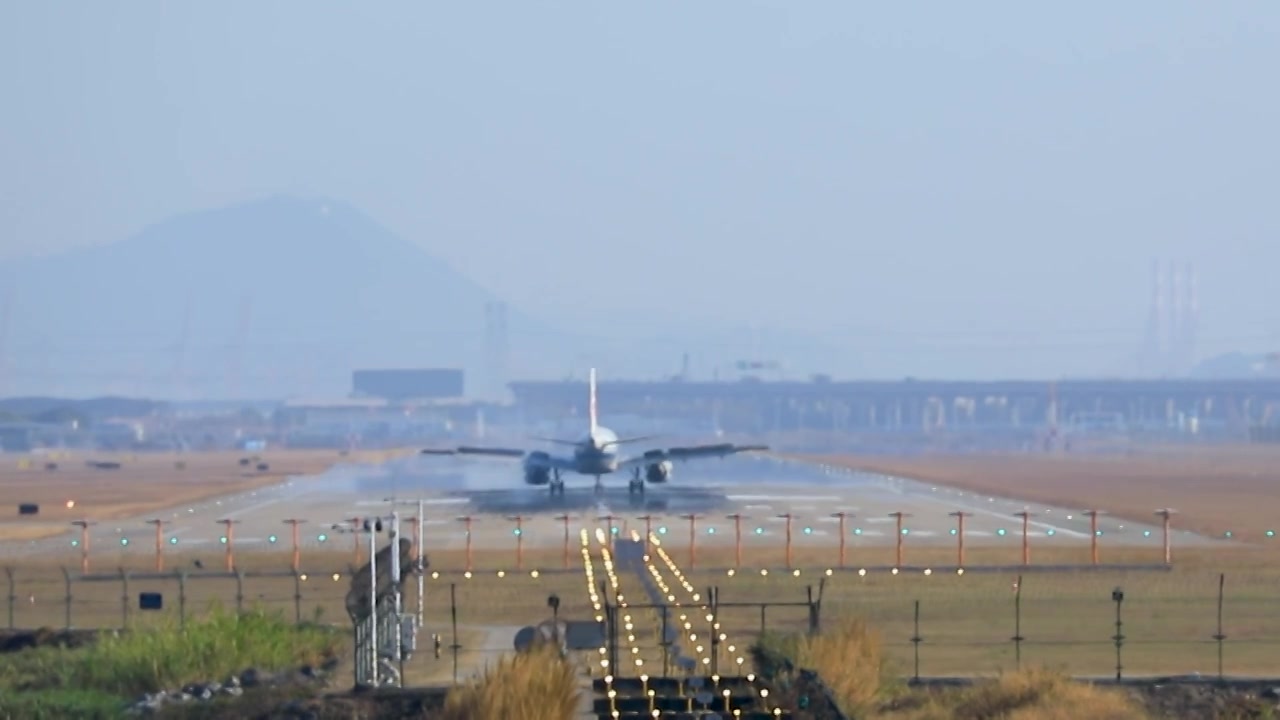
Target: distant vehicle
(598,454)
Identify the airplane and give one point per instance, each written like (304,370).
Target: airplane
(598,454)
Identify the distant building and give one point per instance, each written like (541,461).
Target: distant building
(404,385)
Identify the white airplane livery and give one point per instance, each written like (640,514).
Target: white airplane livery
(598,454)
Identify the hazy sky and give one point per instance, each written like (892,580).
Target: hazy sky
(979,177)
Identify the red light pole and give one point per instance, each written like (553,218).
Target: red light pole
(787,517)
(159,543)
(231,555)
(1164,514)
(648,530)
(297,553)
(842,515)
(899,516)
(608,530)
(84,544)
(519,520)
(1026,546)
(1093,534)
(737,539)
(466,520)
(693,538)
(960,515)
(565,555)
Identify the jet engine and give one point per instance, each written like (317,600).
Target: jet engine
(535,472)
(658,472)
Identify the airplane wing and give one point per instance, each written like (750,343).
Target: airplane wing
(691,452)
(466,450)
(535,458)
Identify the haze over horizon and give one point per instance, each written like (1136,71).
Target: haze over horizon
(951,193)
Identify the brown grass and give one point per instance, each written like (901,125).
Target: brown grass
(537,685)
(1214,489)
(848,657)
(1035,694)
(144,483)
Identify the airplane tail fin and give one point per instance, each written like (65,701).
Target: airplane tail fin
(591,406)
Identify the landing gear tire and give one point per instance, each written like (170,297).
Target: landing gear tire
(635,487)
(557,488)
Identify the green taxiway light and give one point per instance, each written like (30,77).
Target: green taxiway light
(1227,534)
(953,531)
(75,543)
(808,531)
(516,531)
(1271,533)
(1000,532)
(857,531)
(271,538)
(711,531)
(1050,531)
(322,537)
(173,541)
(1146,533)
(662,530)
(759,531)
(906,531)
(124,541)
(223,539)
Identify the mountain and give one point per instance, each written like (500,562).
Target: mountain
(272,298)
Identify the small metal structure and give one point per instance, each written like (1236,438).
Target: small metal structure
(384,633)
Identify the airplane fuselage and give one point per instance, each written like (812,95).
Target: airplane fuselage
(597,453)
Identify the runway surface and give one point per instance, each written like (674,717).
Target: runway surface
(758,488)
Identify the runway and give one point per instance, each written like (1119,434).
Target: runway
(760,489)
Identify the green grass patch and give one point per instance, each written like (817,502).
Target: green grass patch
(165,656)
(58,705)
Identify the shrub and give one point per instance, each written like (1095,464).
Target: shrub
(847,657)
(534,685)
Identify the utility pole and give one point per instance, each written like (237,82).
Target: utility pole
(693,538)
(787,517)
(960,515)
(898,516)
(1026,546)
(564,559)
(648,530)
(1164,514)
(842,515)
(1093,534)
(84,543)
(466,520)
(737,539)
(296,562)
(159,543)
(519,521)
(231,557)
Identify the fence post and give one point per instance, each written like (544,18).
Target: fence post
(239,591)
(453,611)
(1222,579)
(1017,624)
(66,579)
(297,597)
(1117,596)
(182,599)
(124,599)
(915,645)
(13,594)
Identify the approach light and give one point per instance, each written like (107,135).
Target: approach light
(223,539)
(1099,533)
(662,530)
(1146,533)
(759,531)
(124,541)
(953,531)
(1000,532)
(1271,533)
(905,531)
(75,543)
(1050,531)
(613,530)
(173,541)
(271,538)
(711,531)
(808,531)
(1227,534)
(857,531)
(515,531)
(322,537)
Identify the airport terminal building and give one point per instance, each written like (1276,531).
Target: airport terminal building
(1203,407)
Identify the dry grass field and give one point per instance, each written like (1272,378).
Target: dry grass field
(142,483)
(1214,489)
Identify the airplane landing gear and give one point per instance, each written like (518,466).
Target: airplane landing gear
(599,486)
(556,485)
(636,485)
